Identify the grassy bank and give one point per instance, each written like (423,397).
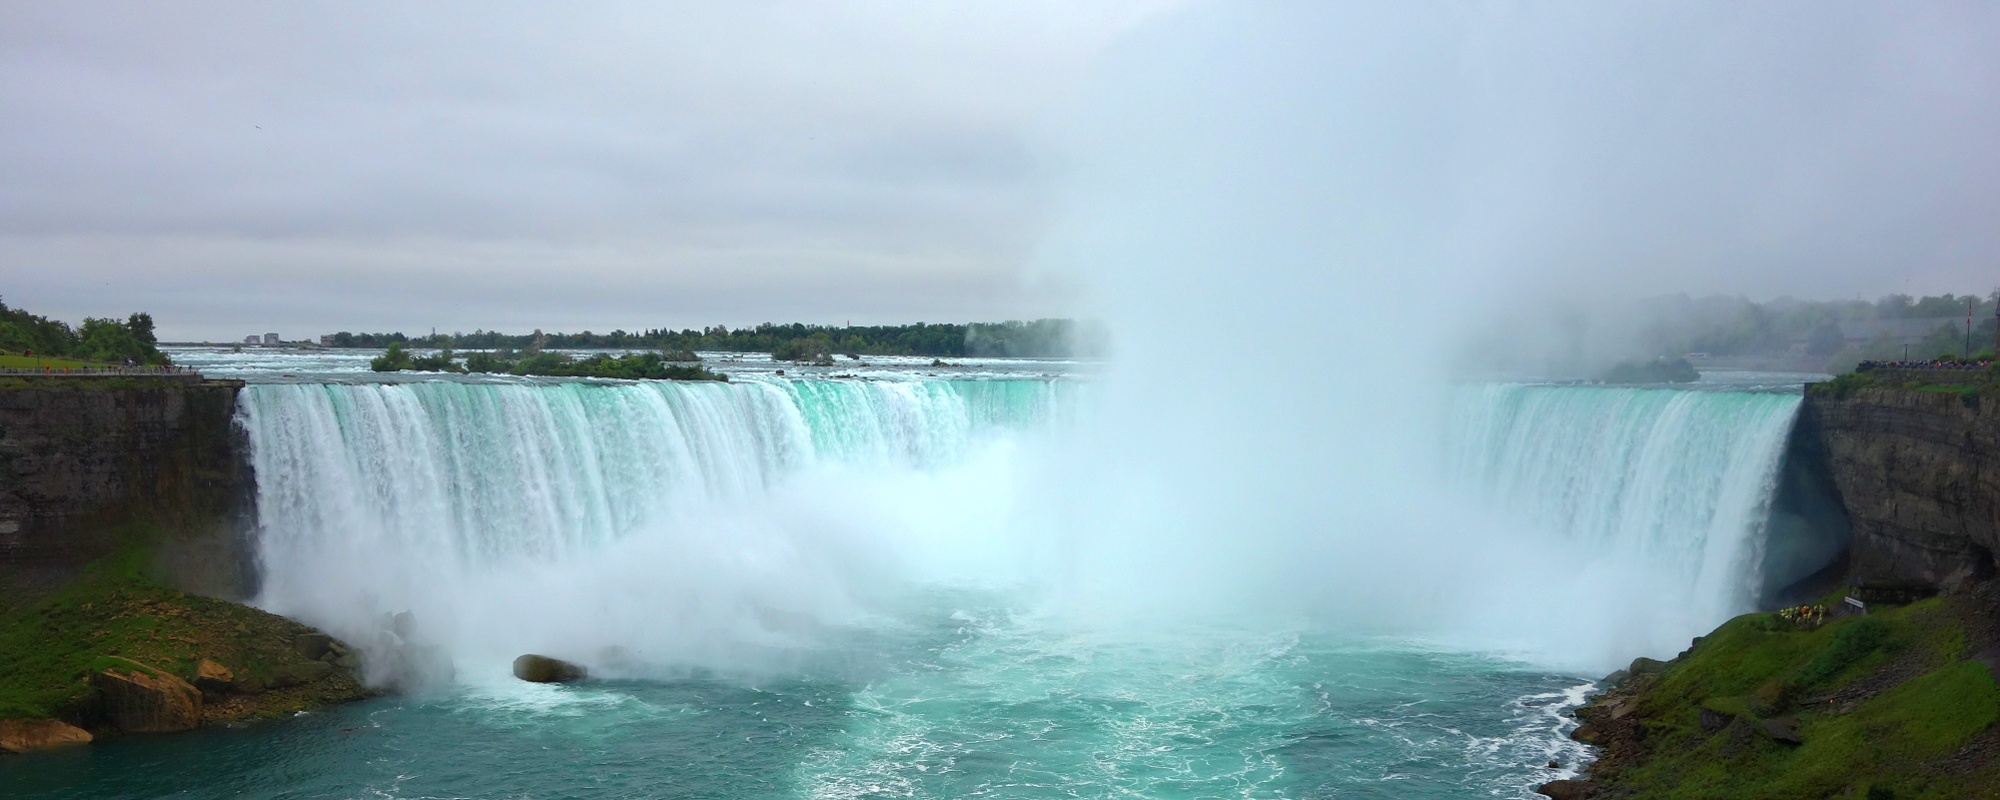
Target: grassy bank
(114,611)
(1891,705)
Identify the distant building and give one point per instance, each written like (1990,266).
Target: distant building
(326,340)
(253,339)
(272,339)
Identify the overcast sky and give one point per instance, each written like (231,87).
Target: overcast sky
(309,167)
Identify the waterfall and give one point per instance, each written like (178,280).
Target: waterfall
(1675,484)
(448,496)
(694,520)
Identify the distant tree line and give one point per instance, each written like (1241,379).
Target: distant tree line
(1043,338)
(99,339)
(1843,331)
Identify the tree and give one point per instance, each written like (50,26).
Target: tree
(392,360)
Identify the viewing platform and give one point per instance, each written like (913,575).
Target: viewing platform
(166,374)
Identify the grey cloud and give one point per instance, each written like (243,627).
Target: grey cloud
(851,138)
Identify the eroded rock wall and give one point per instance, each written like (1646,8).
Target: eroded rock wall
(81,459)
(1919,475)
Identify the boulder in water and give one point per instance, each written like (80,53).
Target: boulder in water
(1568,790)
(23,735)
(542,669)
(142,699)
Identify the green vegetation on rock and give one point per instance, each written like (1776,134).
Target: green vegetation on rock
(1886,705)
(114,614)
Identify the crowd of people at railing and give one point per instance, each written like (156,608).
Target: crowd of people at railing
(1957,364)
(1810,616)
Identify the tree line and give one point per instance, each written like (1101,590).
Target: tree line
(1843,331)
(1042,338)
(102,339)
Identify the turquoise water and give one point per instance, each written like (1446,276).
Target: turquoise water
(839,589)
(956,701)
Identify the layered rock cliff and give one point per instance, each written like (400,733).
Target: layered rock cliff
(1918,471)
(81,456)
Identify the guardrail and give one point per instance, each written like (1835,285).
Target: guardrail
(171,373)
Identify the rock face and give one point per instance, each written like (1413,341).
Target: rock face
(542,669)
(23,735)
(1568,790)
(140,699)
(1919,475)
(214,680)
(75,452)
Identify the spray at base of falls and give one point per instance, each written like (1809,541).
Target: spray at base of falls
(689,523)
(734,526)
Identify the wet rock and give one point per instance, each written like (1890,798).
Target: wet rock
(542,669)
(291,675)
(213,679)
(1783,729)
(1587,734)
(23,735)
(312,645)
(141,699)
(1568,790)
(1713,720)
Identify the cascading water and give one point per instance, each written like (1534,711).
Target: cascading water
(457,499)
(779,530)
(1669,487)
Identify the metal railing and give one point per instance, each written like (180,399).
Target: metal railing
(177,372)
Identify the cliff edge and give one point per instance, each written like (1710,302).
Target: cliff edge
(1918,471)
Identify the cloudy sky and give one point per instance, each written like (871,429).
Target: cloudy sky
(307,167)
(310,167)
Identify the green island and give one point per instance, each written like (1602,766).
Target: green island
(630,366)
(1042,338)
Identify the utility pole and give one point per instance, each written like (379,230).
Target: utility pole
(1968,329)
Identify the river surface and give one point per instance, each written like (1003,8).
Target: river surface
(802,585)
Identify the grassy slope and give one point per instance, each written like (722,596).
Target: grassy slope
(10,361)
(113,611)
(1888,706)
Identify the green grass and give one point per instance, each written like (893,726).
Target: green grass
(1756,666)
(11,361)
